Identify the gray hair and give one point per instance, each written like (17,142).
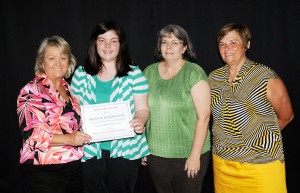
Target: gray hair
(179,33)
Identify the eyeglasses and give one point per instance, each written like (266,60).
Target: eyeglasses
(174,43)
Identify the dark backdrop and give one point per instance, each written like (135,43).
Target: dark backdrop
(275,42)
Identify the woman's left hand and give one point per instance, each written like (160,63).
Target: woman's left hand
(192,166)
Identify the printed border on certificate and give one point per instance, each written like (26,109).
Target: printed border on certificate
(107,121)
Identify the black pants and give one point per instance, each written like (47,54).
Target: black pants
(169,176)
(54,178)
(110,175)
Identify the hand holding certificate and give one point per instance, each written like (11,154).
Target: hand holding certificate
(107,121)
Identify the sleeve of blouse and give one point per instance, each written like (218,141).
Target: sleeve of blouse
(33,122)
(77,84)
(271,73)
(139,82)
(196,74)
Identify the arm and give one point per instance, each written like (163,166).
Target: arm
(201,99)
(74,139)
(141,112)
(278,96)
(32,118)
(78,83)
(35,127)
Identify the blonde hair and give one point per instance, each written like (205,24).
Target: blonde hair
(62,44)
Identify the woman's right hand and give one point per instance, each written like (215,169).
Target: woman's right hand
(144,161)
(79,138)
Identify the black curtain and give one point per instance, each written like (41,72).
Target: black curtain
(275,28)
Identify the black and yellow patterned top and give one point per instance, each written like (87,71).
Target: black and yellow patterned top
(245,126)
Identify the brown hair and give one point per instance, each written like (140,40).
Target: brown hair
(241,29)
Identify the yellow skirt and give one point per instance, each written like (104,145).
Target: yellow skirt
(236,177)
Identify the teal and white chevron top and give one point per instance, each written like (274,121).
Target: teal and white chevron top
(83,88)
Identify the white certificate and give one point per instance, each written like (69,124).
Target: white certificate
(107,121)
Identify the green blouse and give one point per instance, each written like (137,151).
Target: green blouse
(171,125)
(122,89)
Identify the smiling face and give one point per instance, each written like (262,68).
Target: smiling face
(55,63)
(172,48)
(108,46)
(231,49)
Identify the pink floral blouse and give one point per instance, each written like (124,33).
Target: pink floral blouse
(42,113)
